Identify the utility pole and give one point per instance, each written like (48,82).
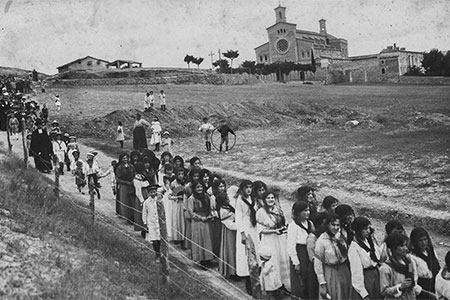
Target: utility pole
(220,63)
(211,54)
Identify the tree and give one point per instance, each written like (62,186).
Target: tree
(231,55)
(414,71)
(249,66)
(197,61)
(222,64)
(313,62)
(188,59)
(433,62)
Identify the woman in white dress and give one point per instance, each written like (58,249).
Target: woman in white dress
(272,228)
(245,216)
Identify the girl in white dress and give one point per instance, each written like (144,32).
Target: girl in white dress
(245,216)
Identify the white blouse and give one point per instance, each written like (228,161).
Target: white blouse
(359,260)
(295,235)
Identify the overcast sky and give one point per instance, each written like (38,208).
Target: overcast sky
(44,34)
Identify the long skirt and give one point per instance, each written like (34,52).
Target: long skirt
(241,253)
(216,235)
(227,263)
(137,212)
(187,233)
(168,212)
(280,257)
(201,237)
(299,282)
(339,284)
(139,138)
(371,283)
(178,220)
(312,284)
(126,202)
(42,163)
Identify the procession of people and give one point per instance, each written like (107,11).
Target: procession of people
(327,251)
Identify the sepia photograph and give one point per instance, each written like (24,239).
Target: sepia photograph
(257,149)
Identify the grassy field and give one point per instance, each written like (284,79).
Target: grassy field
(296,132)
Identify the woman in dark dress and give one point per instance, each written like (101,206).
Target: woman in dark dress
(125,195)
(41,148)
(139,136)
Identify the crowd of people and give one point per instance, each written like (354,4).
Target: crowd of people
(325,252)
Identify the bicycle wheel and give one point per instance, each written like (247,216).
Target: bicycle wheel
(216,139)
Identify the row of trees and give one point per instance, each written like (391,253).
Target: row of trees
(191,59)
(252,67)
(435,63)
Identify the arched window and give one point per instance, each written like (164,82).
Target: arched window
(383,71)
(307,53)
(265,56)
(260,58)
(281,15)
(303,54)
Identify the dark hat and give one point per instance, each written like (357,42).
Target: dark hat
(153,187)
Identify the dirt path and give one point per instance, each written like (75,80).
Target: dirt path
(107,206)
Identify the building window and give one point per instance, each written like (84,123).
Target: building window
(260,58)
(98,62)
(265,57)
(307,53)
(383,71)
(89,62)
(282,46)
(303,54)
(382,62)
(281,15)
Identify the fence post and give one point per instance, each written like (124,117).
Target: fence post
(164,246)
(253,267)
(91,185)
(56,183)
(8,137)
(24,144)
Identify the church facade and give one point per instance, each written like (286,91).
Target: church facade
(287,43)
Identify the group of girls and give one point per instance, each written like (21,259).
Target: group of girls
(325,252)
(334,255)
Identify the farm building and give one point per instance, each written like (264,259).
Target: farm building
(85,63)
(388,65)
(123,64)
(287,43)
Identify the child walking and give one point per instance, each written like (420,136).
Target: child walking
(151,220)
(14,126)
(120,137)
(57,103)
(206,128)
(162,100)
(166,142)
(80,175)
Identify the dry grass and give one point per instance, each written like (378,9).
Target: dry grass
(115,267)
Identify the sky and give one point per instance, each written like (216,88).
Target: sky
(44,34)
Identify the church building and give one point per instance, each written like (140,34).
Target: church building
(287,43)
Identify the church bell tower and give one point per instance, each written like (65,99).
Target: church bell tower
(280,14)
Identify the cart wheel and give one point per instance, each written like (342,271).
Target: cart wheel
(215,140)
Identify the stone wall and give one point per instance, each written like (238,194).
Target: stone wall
(426,80)
(215,79)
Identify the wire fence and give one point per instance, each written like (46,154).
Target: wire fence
(98,216)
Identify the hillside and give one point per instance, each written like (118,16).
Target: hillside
(7,71)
